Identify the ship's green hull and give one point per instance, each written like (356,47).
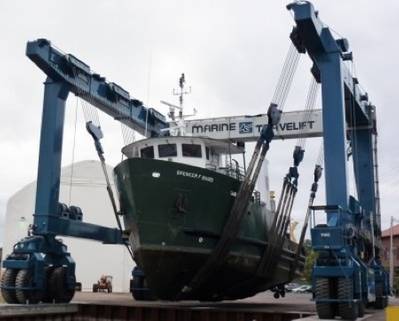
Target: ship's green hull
(175,214)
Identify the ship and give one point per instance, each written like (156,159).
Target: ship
(175,195)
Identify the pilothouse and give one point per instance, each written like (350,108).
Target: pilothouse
(204,152)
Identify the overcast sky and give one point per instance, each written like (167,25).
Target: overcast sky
(231,51)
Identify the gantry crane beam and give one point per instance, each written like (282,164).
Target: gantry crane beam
(92,87)
(311,35)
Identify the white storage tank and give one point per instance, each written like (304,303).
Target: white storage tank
(88,191)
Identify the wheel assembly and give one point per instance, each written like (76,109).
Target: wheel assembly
(24,281)
(137,288)
(347,310)
(58,286)
(381,302)
(47,297)
(140,290)
(323,291)
(385,302)
(8,280)
(361,309)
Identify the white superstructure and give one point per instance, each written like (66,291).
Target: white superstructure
(195,151)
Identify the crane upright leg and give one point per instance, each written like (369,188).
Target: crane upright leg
(348,272)
(40,268)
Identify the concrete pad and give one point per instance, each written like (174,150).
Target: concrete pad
(36,309)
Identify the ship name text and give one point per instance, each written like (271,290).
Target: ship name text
(195,176)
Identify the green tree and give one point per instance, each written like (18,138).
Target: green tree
(311,257)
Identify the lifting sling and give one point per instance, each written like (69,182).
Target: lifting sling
(240,206)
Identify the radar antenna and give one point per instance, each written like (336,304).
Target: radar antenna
(179,121)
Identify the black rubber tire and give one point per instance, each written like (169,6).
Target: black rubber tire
(47,297)
(95,288)
(379,303)
(109,289)
(78,287)
(379,299)
(8,279)
(276,295)
(346,310)
(138,283)
(58,286)
(386,302)
(361,308)
(24,279)
(322,291)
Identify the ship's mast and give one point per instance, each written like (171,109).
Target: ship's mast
(181,91)
(180,125)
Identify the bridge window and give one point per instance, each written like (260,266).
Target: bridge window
(207,153)
(191,150)
(147,152)
(167,150)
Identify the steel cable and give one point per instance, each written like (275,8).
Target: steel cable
(284,209)
(91,115)
(285,80)
(240,205)
(73,153)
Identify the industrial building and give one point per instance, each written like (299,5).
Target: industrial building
(386,244)
(386,239)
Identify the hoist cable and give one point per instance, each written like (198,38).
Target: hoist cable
(283,209)
(240,206)
(292,175)
(320,157)
(285,81)
(288,220)
(282,216)
(286,214)
(73,154)
(310,104)
(313,190)
(277,233)
(279,204)
(91,116)
(289,81)
(283,73)
(127,134)
(90,113)
(309,107)
(287,85)
(241,203)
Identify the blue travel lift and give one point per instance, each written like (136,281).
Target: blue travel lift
(40,267)
(348,273)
